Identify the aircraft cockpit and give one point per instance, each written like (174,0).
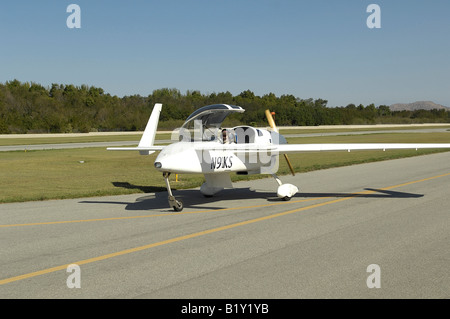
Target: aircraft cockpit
(228,136)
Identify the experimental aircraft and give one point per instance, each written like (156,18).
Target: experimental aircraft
(202,146)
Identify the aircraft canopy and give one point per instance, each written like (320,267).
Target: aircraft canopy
(212,116)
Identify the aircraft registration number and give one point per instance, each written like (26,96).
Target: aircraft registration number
(218,162)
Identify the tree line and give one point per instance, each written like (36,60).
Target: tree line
(30,107)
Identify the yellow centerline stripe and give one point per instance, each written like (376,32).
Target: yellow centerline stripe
(164,242)
(202,233)
(414,182)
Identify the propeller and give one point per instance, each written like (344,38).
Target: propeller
(274,127)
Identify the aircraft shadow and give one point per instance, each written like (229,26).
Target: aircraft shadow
(156,199)
(380,193)
(145,189)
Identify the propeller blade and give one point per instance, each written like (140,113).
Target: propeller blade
(289,164)
(274,127)
(271,121)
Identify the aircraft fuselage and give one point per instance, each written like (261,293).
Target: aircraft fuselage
(209,157)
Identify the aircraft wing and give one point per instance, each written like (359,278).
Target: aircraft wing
(289,148)
(143,150)
(295,148)
(298,148)
(146,148)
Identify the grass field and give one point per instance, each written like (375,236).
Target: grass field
(372,128)
(74,173)
(77,139)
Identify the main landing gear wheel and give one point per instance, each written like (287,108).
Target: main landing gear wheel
(285,191)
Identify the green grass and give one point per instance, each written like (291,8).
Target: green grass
(376,138)
(58,174)
(306,130)
(76,139)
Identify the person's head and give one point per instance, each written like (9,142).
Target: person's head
(224,134)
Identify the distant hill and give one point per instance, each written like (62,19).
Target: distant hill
(420,105)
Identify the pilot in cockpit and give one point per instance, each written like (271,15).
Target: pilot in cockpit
(227,136)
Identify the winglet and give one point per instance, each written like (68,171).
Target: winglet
(148,138)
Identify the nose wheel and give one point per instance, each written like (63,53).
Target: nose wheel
(177,205)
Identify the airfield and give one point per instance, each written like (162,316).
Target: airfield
(243,242)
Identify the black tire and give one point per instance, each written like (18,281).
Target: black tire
(179,206)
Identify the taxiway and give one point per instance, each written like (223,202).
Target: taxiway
(244,242)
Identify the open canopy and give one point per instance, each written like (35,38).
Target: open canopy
(212,116)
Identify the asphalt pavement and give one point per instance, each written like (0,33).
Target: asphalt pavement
(347,231)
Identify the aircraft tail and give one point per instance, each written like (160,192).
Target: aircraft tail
(148,138)
(146,146)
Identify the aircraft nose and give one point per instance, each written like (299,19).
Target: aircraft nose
(178,157)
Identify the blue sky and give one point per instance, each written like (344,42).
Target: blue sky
(310,49)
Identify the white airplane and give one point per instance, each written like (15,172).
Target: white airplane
(203,147)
